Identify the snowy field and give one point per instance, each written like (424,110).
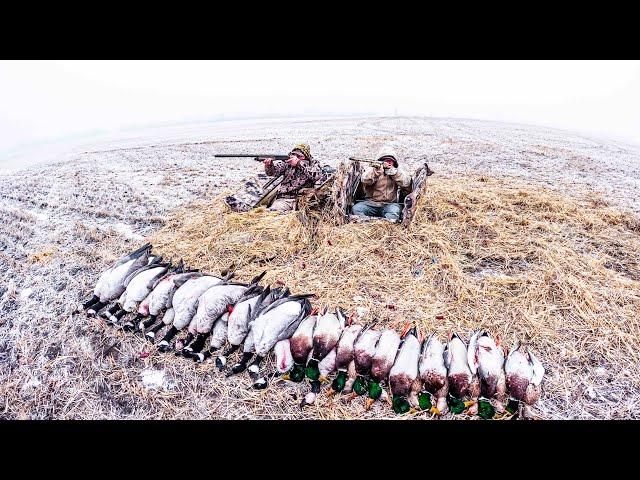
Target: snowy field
(61,220)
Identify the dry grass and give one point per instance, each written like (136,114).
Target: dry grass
(522,262)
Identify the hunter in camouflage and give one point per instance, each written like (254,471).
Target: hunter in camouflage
(300,171)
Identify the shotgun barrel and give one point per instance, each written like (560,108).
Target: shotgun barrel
(255,156)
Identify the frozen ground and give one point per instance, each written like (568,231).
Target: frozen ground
(61,222)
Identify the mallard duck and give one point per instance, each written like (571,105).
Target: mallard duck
(110,285)
(344,357)
(433,374)
(403,374)
(185,304)
(276,322)
(325,367)
(301,347)
(364,349)
(489,363)
(383,359)
(524,374)
(325,338)
(462,382)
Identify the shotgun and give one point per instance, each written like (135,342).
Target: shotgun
(255,156)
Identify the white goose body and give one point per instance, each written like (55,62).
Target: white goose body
(219,332)
(113,286)
(239,325)
(139,287)
(161,296)
(275,324)
(212,304)
(185,299)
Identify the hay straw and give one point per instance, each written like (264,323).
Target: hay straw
(525,263)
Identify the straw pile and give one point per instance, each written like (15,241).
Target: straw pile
(523,262)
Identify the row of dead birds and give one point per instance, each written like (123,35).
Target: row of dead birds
(422,373)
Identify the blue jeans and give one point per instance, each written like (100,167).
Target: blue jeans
(392,211)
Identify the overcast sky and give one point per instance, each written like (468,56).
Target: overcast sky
(48,100)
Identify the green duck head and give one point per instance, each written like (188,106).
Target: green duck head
(373,393)
(485,410)
(312,371)
(424,400)
(340,381)
(360,385)
(456,405)
(400,404)
(297,373)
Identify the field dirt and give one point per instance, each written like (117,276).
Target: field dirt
(61,224)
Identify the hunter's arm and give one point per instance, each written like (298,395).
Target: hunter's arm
(369,176)
(274,169)
(403,179)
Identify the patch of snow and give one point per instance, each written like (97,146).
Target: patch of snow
(34,383)
(153,378)
(26,293)
(126,230)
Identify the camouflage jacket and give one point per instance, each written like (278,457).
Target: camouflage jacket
(303,175)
